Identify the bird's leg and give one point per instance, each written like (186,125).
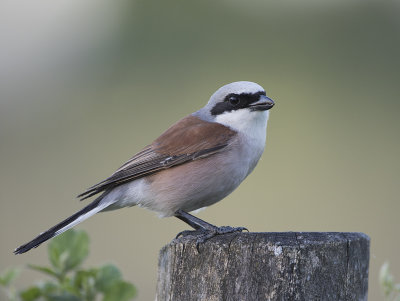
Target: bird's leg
(208,230)
(194,222)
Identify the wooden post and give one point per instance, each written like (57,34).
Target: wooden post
(266,266)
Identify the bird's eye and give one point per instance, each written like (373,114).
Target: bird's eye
(234,100)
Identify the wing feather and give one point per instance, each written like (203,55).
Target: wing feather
(189,139)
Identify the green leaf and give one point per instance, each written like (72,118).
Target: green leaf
(386,279)
(9,276)
(47,287)
(66,253)
(120,291)
(45,270)
(31,294)
(83,276)
(63,297)
(85,281)
(68,250)
(106,276)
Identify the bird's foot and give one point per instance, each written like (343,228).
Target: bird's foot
(228,229)
(205,230)
(206,234)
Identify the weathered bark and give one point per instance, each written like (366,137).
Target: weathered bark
(266,266)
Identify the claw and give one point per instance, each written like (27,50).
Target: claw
(204,237)
(228,229)
(206,230)
(206,234)
(183,233)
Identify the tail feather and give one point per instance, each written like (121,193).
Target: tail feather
(66,224)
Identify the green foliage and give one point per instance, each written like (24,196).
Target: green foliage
(391,290)
(66,252)
(69,282)
(8,276)
(6,279)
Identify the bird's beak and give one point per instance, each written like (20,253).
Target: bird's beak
(263,104)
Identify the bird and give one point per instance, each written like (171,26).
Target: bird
(195,163)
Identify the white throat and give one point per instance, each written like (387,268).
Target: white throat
(250,124)
(252,128)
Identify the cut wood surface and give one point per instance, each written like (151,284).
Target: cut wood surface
(266,266)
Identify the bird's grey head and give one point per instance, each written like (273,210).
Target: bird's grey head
(237,102)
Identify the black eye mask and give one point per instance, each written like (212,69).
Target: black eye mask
(234,102)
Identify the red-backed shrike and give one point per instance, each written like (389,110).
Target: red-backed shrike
(195,163)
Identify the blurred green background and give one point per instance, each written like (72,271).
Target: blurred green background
(86,84)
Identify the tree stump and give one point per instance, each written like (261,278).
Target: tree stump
(266,266)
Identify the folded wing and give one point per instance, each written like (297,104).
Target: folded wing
(189,139)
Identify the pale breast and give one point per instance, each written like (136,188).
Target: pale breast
(202,182)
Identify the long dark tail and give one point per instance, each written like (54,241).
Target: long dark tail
(66,224)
